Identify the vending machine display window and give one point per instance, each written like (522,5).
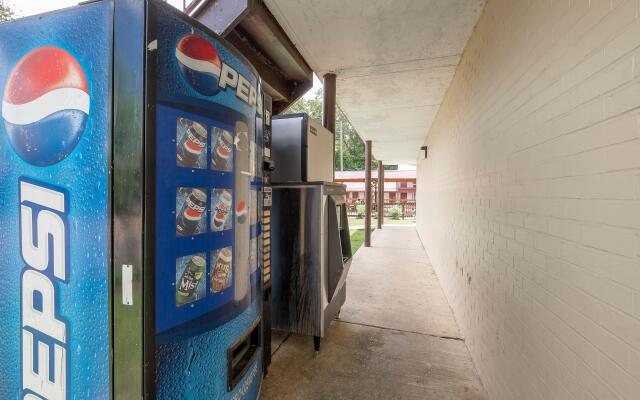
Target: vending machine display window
(207,216)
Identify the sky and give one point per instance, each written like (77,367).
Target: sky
(316,85)
(24,8)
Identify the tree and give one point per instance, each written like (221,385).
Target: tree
(5,13)
(353,146)
(313,106)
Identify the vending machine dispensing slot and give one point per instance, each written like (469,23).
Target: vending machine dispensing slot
(241,355)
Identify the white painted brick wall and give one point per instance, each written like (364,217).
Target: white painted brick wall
(529,202)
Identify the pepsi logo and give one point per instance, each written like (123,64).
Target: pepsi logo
(45,105)
(200,64)
(204,71)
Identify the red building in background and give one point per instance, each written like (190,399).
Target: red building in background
(399,186)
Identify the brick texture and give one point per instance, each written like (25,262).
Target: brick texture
(529,201)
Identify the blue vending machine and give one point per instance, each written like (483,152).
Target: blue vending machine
(131,179)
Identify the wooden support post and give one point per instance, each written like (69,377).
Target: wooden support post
(329,102)
(367,193)
(329,110)
(380,194)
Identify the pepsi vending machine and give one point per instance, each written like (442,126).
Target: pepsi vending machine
(131,179)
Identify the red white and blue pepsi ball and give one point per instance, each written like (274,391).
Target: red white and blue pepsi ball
(199,63)
(45,107)
(241,212)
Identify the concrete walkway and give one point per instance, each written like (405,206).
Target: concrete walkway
(396,337)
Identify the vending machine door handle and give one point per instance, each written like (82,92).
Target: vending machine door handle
(127,284)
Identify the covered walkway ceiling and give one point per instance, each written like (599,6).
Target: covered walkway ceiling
(394,60)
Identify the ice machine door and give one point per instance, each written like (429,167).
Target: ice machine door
(339,252)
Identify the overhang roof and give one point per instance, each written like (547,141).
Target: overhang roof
(394,60)
(253,31)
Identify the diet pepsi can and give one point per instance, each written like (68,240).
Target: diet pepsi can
(221,210)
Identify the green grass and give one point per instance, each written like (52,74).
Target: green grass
(357,237)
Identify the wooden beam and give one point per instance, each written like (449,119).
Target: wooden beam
(367,193)
(272,41)
(329,103)
(380,194)
(329,111)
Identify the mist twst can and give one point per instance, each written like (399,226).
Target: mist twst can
(190,279)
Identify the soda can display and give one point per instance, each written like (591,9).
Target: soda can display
(222,153)
(191,205)
(191,144)
(221,209)
(188,285)
(222,273)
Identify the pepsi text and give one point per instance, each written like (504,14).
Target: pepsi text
(44,233)
(244,90)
